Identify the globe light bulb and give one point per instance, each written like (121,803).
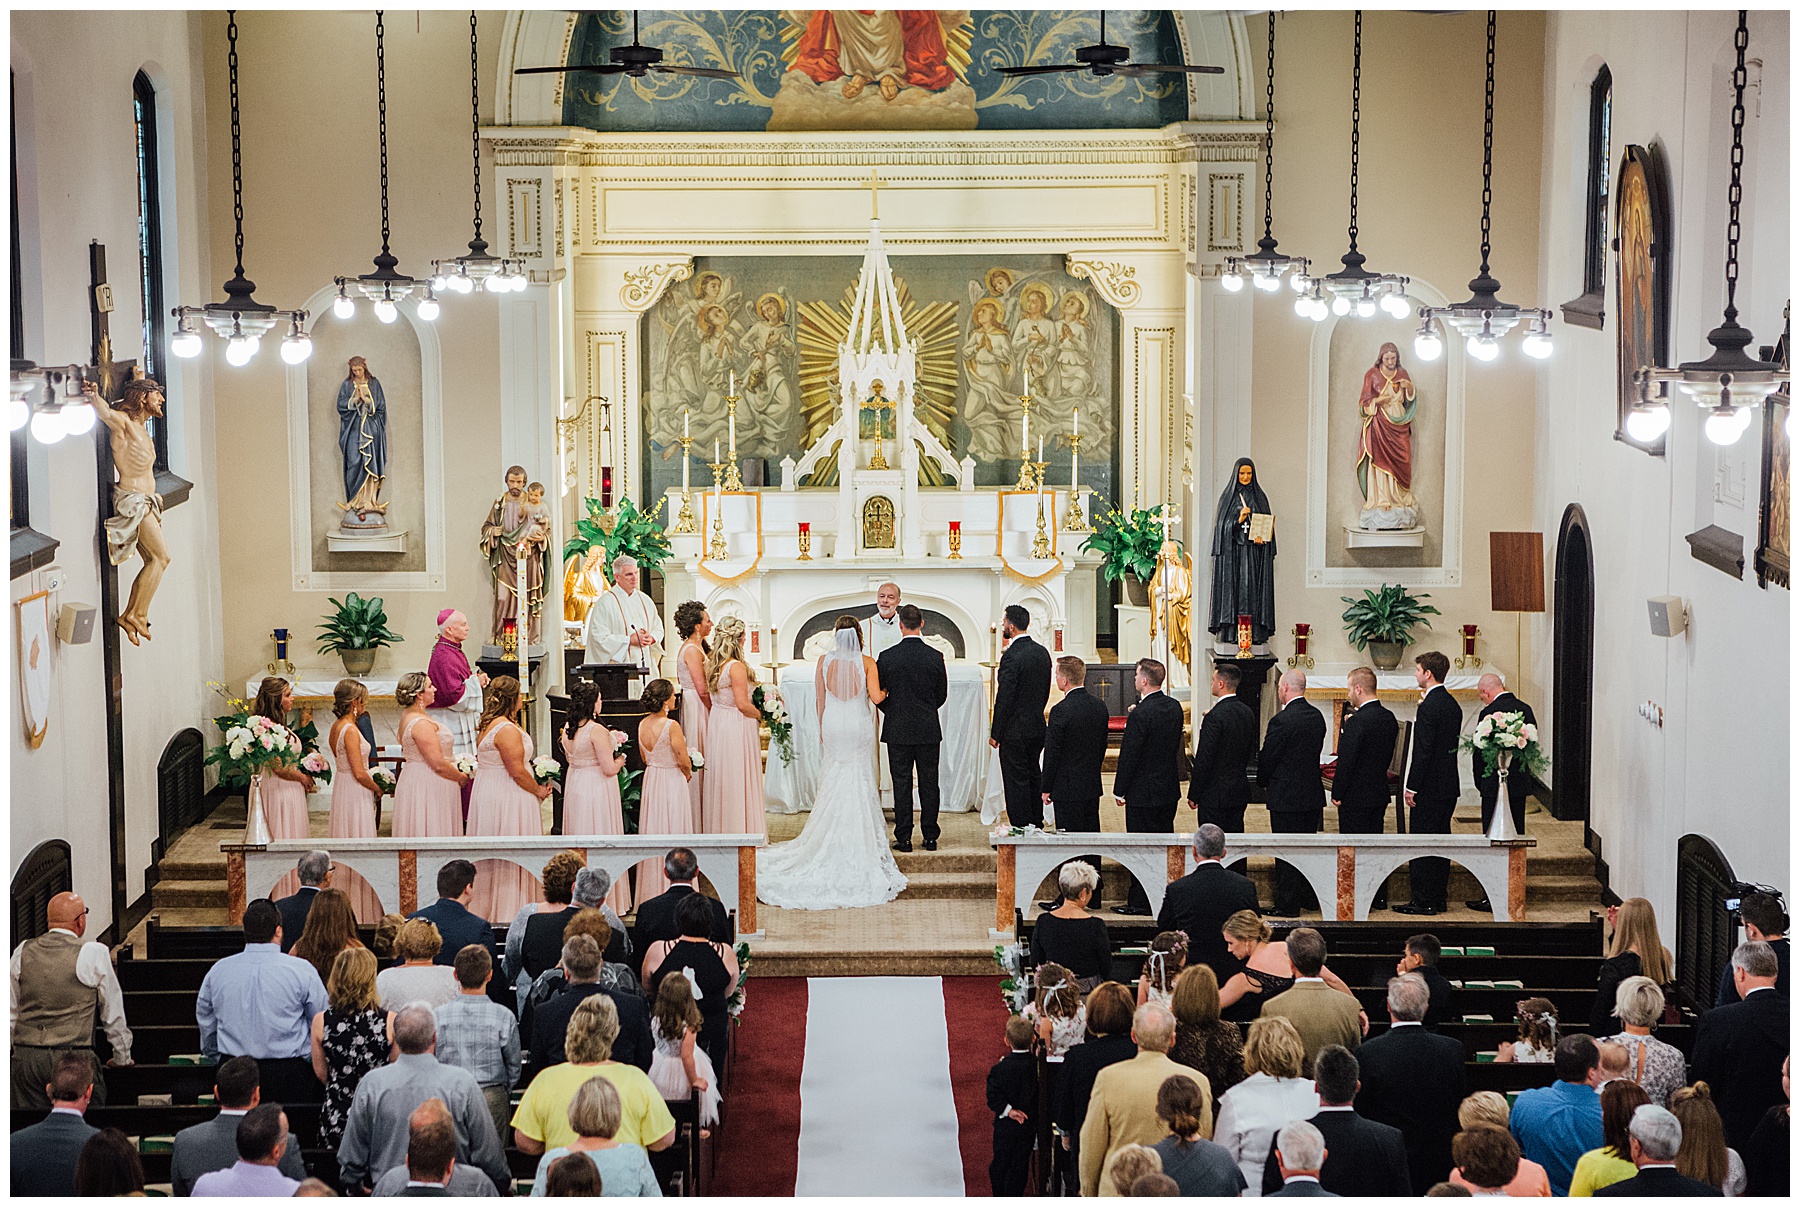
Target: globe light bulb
(239,349)
(1427,346)
(1233,281)
(47,425)
(1299,282)
(296,346)
(18,413)
(437,280)
(78,418)
(1537,345)
(1319,309)
(1723,426)
(1340,306)
(1646,424)
(496,284)
(1483,347)
(185,343)
(1396,305)
(428,308)
(343,307)
(1303,306)
(1365,306)
(462,284)
(386,311)
(520,281)
(1268,282)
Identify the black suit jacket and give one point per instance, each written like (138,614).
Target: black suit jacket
(293,911)
(1075,747)
(1365,748)
(1414,1080)
(1443,994)
(1659,1183)
(1520,779)
(912,675)
(1013,1083)
(1728,987)
(1227,743)
(1288,768)
(656,922)
(1021,689)
(1075,1084)
(1199,903)
(550,1028)
(1149,773)
(459,928)
(1436,731)
(44,1156)
(1303,1190)
(1363,1159)
(1738,1050)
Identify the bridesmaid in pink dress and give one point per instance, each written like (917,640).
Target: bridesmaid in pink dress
(694,625)
(284,789)
(505,801)
(354,796)
(733,802)
(428,798)
(664,807)
(591,784)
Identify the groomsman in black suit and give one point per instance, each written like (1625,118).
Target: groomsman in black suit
(1496,699)
(1432,780)
(1022,688)
(1148,782)
(1074,749)
(1219,786)
(912,675)
(1359,786)
(1288,770)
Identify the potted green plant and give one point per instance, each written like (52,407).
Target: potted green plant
(1129,542)
(1382,621)
(355,631)
(624,529)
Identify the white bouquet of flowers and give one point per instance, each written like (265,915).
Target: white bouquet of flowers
(775,715)
(546,770)
(1505,739)
(465,763)
(697,759)
(254,744)
(318,766)
(384,780)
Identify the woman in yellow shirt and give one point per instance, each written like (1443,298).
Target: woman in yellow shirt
(1611,1162)
(542,1120)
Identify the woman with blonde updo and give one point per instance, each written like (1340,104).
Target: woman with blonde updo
(1275,1092)
(428,797)
(663,808)
(355,800)
(505,801)
(732,794)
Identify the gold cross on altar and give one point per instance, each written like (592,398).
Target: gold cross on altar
(874,186)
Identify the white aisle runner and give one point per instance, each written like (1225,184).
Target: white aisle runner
(877,1116)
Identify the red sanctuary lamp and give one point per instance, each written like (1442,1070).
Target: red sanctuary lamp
(805,539)
(1302,636)
(606,486)
(1243,634)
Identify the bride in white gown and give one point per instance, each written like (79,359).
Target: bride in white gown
(841,859)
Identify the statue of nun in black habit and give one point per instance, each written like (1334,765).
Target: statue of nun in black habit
(1243,569)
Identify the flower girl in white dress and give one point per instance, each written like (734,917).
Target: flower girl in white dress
(680,1065)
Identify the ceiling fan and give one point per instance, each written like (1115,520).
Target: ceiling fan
(1105,59)
(635,60)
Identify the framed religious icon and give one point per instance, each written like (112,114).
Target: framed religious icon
(1642,244)
(33,626)
(1772,526)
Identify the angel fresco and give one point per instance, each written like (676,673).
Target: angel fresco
(768,382)
(989,407)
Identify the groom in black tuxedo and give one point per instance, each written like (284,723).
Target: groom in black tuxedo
(1021,690)
(912,675)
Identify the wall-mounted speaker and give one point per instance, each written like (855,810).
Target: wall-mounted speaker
(1668,616)
(75,624)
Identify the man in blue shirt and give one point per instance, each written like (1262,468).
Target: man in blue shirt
(450,913)
(1556,1124)
(261,1003)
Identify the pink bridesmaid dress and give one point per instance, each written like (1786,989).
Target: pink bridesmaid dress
(426,805)
(500,808)
(591,802)
(664,809)
(352,816)
(693,724)
(734,783)
(284,808)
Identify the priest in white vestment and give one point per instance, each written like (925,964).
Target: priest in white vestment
(623,626)
(884,633)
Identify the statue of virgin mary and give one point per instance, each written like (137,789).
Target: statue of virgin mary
(1243,566)
(362,439)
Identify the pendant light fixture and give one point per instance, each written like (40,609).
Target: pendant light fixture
(1728,384)
(386,286)
(1267,265)
(1353,289)
(477,266)
(240,319)
(1484,318)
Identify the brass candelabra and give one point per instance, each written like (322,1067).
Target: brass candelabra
(718,550)
(734,480)
(956,544)
(1041,548)
(1073,519)
(1027,474)
(686,523)
(805,545)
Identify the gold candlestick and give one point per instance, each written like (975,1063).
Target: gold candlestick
(686,523)
(1073,519)
(718,551)
(1027,475)
(734,480)
(1040,545)
(955,543)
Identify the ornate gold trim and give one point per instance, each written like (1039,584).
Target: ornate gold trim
(646,283)
(1116,282)
(1033,580)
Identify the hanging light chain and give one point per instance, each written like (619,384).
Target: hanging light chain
(1735,197)
(1487,150)
(1269,140)
(237,146)
(381,110)
(1355,123)
(475,117)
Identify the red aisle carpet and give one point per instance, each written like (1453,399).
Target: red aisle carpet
(758,1146)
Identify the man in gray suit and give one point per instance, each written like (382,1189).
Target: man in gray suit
(212,1145)
(44,1155)
(431,1169)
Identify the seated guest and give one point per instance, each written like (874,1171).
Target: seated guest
(1162,965)
(1122,1107)
(1201,901)
(1741,1049)
(542,1120)
(1555,1124)
(592,887)
(1300,1153)
(212,1145)
(595,1115)
(261,1003)
(351,1038)
(457,925)
(60,987)
(1130,1163)
(1414,1080)
(1012,1097)
(1199,1167)
(1320,1013)
(1486,1159)
(419,976)
(431,1168)
(45,1154)
(1275,1093)
(572,1177)
(1109,1011)
(1536,1044)
(1655,1143)
(1155,1186)
(614,977)
(480,1035)
(377,1134)
(1659,1067)
(1367,1159)
(534,940)
(314,872)
(262,1142)
(1490,1108)
(1704,1155)
(1636,950)
(550,1022)
(1421,956)
(1071,936)
(1057,1013)
(1203,1040)
(599,923)
(1764,922)
(108,1168)
(330,928)
(655,920)
(1264,967)
(710,964)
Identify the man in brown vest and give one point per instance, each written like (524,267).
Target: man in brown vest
(60,986)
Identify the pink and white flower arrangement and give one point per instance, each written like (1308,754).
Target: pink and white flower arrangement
(252,744)
(546,770)
(696,759)
(317,765)
(1503,740)
(465,763)
(384,780)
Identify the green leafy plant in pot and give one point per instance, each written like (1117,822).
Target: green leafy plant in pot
(355,631)
(623,529)
(1129,542)
(1382,621)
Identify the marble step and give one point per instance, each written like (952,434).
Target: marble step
(961,859)
(190,894)
(941,886)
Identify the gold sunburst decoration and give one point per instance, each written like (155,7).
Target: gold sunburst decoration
(822,328)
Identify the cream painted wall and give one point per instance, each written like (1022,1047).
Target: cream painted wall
(78,182)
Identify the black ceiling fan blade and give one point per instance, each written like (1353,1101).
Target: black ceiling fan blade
(597,68)
(1041,70)
(711,73)
(1146,68)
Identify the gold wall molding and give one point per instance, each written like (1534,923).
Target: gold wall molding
(646,283)
(1116,282)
